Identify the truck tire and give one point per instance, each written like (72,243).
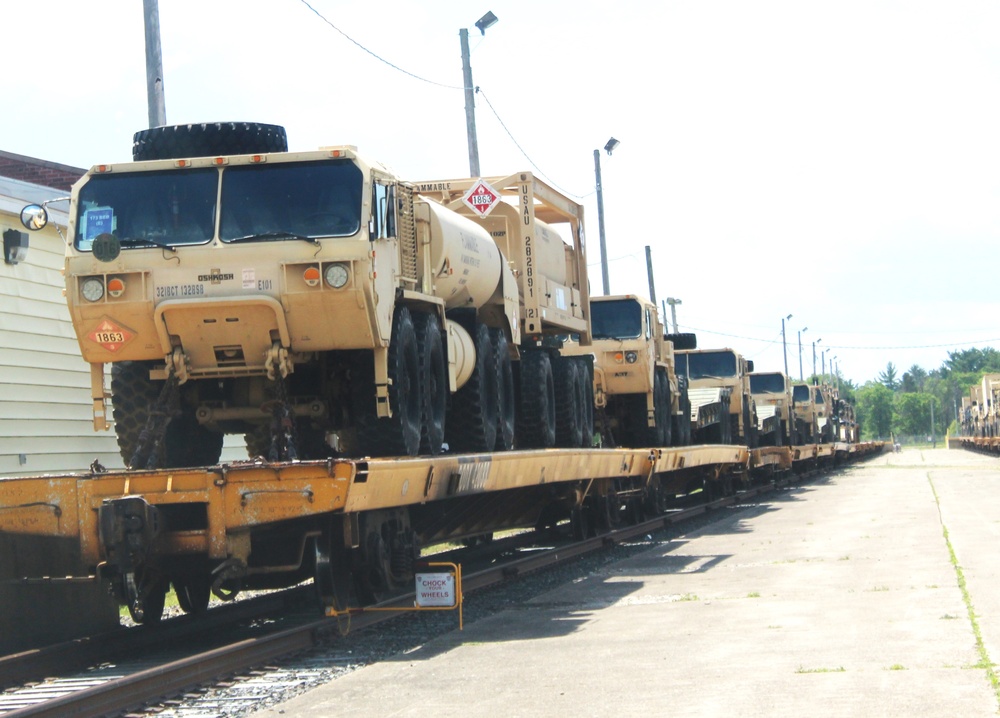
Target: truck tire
(132,392)
(472,420)
(568,429)
(683,341)
(661,392)
(398,435)
(207,139)
(188,443)
(536,417)
(585,388)
(506,397)
(433,369)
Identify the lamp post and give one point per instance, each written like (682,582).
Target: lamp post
(784,347)
(824,367)
(609,148)
(804,329)
(814,359)
(482,23)
(673,311)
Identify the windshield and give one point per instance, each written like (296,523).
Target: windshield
(178,207)
(818,395)
(762,383)
(308,199)
(699,365)
(148,208)
(800,392)
(617,319)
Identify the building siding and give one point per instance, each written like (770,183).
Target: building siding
(46,424)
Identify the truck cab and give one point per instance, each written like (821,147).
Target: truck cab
(772,394)
(722,406)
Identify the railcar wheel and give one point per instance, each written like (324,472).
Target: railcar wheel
(333,566)
(580,523)
(506,397)
(536,419)
(193,593)
(472,421)
(434,371)
(398,435)
(568,429)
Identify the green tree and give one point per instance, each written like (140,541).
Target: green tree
(913,379)
(913,414)
(888,377)
(975,361)
(874,409)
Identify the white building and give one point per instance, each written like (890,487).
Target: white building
(46,424)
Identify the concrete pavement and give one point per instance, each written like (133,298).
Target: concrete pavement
(837,598)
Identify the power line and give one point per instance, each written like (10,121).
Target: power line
(477,89)
(860,348)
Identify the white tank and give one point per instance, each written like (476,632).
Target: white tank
(466,262)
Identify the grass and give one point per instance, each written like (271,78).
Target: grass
(838,669)
(984,658)
(753,594)
(688,597)
(897,667)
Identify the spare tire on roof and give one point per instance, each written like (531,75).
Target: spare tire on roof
(684,340)
(208,139)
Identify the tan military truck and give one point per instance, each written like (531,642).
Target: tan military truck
(639,399)
(806,425)
(722,406)
(772,395)
(313,301)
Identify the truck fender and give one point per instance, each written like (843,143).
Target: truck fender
(461,356)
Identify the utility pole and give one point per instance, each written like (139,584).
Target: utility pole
(487,20)
(933,437)
(784,346)
(804,329)
(649,273)
(470,104)
(154,64)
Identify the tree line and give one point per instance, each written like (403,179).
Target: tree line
(894,405)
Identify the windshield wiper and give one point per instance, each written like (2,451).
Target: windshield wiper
(133,241)
(273,235)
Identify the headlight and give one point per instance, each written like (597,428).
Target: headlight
(631,357)
(92,289)
(337,275)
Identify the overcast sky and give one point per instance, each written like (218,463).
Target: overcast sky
(837,161)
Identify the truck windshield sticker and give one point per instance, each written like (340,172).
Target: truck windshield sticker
(97,220)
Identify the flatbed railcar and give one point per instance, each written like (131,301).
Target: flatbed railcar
(355,526)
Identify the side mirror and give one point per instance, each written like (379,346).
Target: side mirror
(749,364)
(34,217)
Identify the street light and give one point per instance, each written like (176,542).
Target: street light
(784,347)
(609,147)
(673,311)
(803,329)
(487,20)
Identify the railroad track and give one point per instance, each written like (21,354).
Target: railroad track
(280,625)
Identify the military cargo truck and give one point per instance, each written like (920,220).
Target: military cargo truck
(722,406)
(772,395)
(640,400)
(806,425)
(317,303)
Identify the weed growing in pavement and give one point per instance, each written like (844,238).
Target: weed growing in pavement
(838,669)
(984,659)
(753,594)
(688,597)
(949,617)
(845,558)
(897,667)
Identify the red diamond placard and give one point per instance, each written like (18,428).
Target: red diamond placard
(481,198)
(110,336)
